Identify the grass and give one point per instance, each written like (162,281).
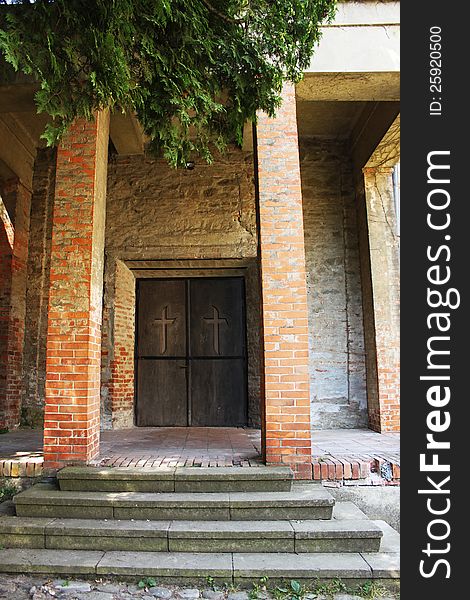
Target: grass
(293,590)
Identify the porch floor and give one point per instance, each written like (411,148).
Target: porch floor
(180,446)
(335,453)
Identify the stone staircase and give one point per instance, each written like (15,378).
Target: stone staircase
(234,524)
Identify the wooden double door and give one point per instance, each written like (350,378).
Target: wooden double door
(191,352)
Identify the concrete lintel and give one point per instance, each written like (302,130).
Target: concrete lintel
(17,153)
(18,97)
(358,48)
(358,86)
(126,133)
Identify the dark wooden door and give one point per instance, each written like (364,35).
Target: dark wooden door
(191,353)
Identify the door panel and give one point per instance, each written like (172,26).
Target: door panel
(217,327)
(162,318)
(218,396)
(191,357)
(162,393)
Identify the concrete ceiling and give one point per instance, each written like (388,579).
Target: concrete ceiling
(328,119)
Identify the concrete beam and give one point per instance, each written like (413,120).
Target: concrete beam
(17,152)
(337,86)
(18,97)
(126,133)
(373,124)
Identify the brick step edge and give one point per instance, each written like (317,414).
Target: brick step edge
(17,467)
(349,471)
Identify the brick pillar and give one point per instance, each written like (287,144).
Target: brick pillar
(118,347)
(15,206)
(73,352)
(383,335)
(286,426)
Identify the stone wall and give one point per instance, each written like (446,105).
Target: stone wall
(336,337)
(157,219)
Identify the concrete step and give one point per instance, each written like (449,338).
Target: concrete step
(42,500)
(178,479)
(191,536)
(241,569)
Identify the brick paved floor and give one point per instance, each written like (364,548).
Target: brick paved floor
(356,443)
(358,450)
(180,446)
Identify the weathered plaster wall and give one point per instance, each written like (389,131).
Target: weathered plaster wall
(155,213)
(337,360)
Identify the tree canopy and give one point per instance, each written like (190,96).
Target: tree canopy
(192,70)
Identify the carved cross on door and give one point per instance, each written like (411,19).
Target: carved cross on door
(164,322)
(216,320)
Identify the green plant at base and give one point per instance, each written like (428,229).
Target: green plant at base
(211,583)
(258,586)
(371,590)
(193,71)
(7,491)
(147,582)
(292,591)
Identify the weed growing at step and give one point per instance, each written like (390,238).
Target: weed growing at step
(147,582)
(293,590)
(7,491)
(371,590)
(258,587)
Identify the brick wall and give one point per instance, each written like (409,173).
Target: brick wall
(14,232)
(287,436)
(37,296)
(337,356)
(73,357)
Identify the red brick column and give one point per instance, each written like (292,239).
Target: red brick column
(14,233)
(286,426)
(73,355)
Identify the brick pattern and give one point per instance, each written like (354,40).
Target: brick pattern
(22,467)
(346,470)
(73,357)
(384,406)
(37,295)
(121,351)
(14,232)
(287,436)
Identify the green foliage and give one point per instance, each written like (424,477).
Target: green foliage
(147,582)
(7,491)
(371,590)
(292,591)
(258,587)
(193,70)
